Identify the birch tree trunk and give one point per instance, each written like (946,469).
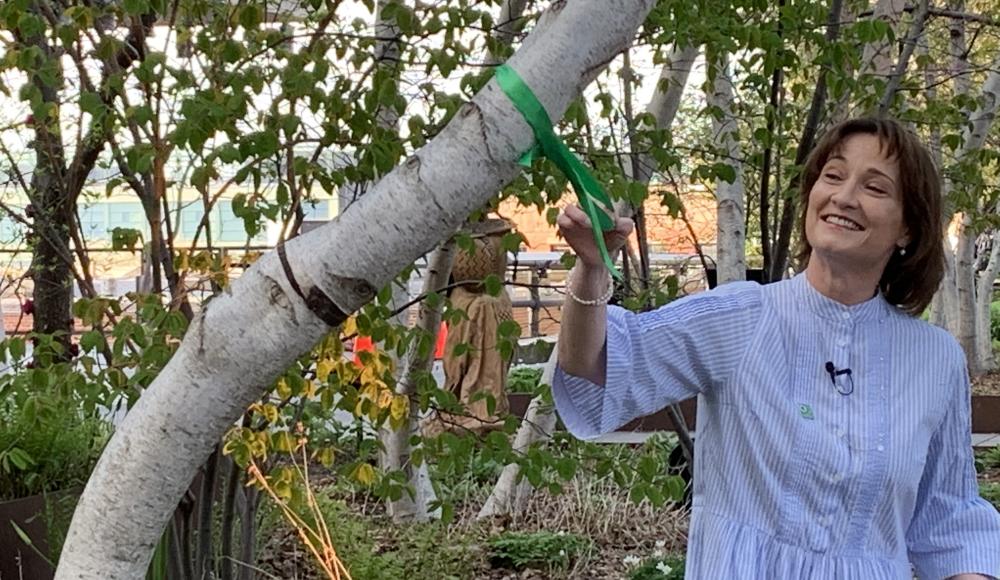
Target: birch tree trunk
(290,298)
(947,295)
(397,450)
(980,122)
(984,296)
(876,59)
(731,260)
(509,496)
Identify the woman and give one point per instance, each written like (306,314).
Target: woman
(833,424)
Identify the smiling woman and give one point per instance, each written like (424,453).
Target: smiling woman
(871,207)
(833,423)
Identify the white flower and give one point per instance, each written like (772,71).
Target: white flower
(663,567)
(661,543)
(560,533)
(562,552)
(657,553)
(630,560)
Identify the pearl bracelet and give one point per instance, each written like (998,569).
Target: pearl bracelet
(599,301)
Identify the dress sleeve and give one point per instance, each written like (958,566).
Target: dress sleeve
(953,530)
(660,357)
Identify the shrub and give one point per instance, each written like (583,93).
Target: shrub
(523,380)
(541,550)
(41,456)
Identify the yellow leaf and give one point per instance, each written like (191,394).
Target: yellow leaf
(325,457)
(400,407)
(284,391)
(270,413)
(323,369)
(385,398)
(364,474)
(283,441)
(350,326)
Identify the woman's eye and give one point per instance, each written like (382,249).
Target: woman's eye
(833,176)
(877,189)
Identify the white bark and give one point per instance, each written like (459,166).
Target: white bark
(965,282)
(666,99)
(397,451)
(509,495)
(974,137)
(731,240)
(984,295)
(876,57)
(246,337)
(944,308)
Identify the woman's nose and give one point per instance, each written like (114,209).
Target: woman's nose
(846,195)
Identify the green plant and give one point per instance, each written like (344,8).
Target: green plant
(47,449)
(370,551)
(523,379)
(668,568)
(991,493)
(542,550)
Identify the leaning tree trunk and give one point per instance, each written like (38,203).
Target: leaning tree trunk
(509,496)
(397,450)
(284,303)
(946,304)
(876,62)
(730,195)
(511,493)
(980,122)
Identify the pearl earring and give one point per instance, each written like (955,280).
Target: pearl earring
(902,252)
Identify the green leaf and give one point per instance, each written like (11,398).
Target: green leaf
(493,285)
(30,25)
(136,7)
(91,103)
(125,238)
(91,340)
(724,172)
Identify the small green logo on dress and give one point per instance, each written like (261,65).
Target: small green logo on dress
(806,411)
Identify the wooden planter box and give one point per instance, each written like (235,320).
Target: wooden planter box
(33,515)
(985,414)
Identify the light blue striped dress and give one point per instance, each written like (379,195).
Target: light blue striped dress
(793,479)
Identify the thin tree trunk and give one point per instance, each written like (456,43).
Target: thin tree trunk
(397,450)
(233,485)
(782,245)
(980,122)
(984,296)
(965,277)
(909,44)
(204,564)
(773,112)
(290,298)
(731,240)
(509,495)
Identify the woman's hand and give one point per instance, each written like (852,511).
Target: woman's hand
(574,225)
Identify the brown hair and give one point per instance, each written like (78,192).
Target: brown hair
(910,281)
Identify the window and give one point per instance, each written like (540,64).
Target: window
(94,221)
(127,215)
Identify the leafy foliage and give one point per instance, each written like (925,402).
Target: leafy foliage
(50,449)
(543,550)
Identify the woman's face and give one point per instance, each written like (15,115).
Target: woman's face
(855,213)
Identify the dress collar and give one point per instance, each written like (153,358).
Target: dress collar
(875,308)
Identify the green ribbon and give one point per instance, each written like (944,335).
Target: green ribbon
(594,201)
